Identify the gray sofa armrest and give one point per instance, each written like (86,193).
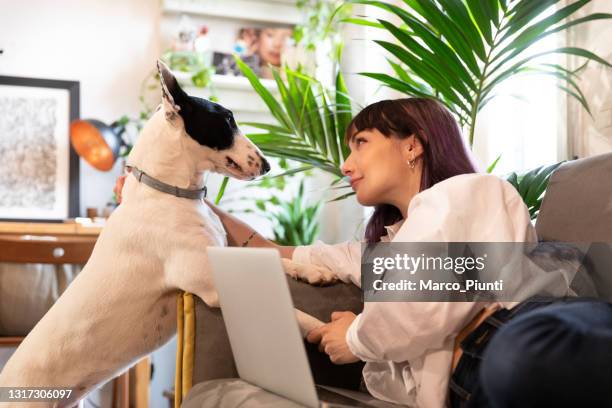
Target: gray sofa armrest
(212,352)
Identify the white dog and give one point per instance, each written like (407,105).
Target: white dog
(122,304)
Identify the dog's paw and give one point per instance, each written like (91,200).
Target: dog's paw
(313,274)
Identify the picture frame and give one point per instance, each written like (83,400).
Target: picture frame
(259,47)
(39,169)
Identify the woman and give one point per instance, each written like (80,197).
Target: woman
(408,161)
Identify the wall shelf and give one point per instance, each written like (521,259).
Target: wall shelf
(226,82)
(234,93)
(277,12)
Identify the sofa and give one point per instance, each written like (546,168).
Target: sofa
(577,207)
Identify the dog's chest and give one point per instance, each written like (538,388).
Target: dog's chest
(213,226)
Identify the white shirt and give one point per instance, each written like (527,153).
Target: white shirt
(408,346)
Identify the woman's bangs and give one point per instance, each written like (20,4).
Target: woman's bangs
(371,117)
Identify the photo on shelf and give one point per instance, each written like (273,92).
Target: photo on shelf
(258,48)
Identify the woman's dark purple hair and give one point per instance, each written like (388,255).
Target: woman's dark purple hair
(445,154)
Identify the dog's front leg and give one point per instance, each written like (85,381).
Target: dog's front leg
(307,322)
(313,274)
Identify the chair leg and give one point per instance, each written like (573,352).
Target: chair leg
(121,390)
(125,385)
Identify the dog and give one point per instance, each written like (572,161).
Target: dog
(121,306)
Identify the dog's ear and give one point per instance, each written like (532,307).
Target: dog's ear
(170,91)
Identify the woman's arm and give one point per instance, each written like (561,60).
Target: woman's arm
(238,232)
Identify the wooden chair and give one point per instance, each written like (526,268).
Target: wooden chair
(56,249)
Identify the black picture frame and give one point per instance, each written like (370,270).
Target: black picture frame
(71,188)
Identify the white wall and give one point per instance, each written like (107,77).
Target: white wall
(108,46)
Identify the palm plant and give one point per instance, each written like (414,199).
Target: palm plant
(460,51)
(311,120)
(295,222)
(532,185)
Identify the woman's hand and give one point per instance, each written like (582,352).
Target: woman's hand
(118,187)
(332,338)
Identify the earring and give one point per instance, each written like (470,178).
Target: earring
(411,163)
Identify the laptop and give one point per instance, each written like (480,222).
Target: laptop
(263,330)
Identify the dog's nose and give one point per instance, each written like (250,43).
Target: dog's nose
(265,166)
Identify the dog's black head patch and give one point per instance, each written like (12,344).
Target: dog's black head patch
(208,123)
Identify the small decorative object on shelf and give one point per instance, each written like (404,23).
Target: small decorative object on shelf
(202,45)
(185,35)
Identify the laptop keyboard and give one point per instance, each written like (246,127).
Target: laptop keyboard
(331,397)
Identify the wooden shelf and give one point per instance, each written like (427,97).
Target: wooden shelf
(226,82)
(235,93)
(280,12)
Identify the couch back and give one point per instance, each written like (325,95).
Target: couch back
(577,206)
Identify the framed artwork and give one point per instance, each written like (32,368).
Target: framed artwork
(39,170)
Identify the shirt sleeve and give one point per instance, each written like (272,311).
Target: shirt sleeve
(343,259)
(479,208)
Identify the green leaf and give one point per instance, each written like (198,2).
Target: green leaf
(275,108)
(331,138)
(342,197)
(221,190)
(522,13)
(492,166)
(459,13)
(292,108)
(431,61)
(533,33)
(483,21)
(314,122)
(292,171)
(452,32)
(343,117)
(361,21)
(513,179)
(539,183)
(266,126)
(532,185)
(580,52)
(436,45)
(432,77)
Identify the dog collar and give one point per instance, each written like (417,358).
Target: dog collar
(158,185)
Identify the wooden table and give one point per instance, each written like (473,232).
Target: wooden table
(54,243)
(65,243)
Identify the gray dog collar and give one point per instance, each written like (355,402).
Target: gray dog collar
(144,178)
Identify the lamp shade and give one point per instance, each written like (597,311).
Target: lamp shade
(97,143)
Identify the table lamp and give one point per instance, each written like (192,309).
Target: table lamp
(97,143)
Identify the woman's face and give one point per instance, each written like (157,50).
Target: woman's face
(271,44)
(377,166)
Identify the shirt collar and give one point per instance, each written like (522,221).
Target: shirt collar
(392,229)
